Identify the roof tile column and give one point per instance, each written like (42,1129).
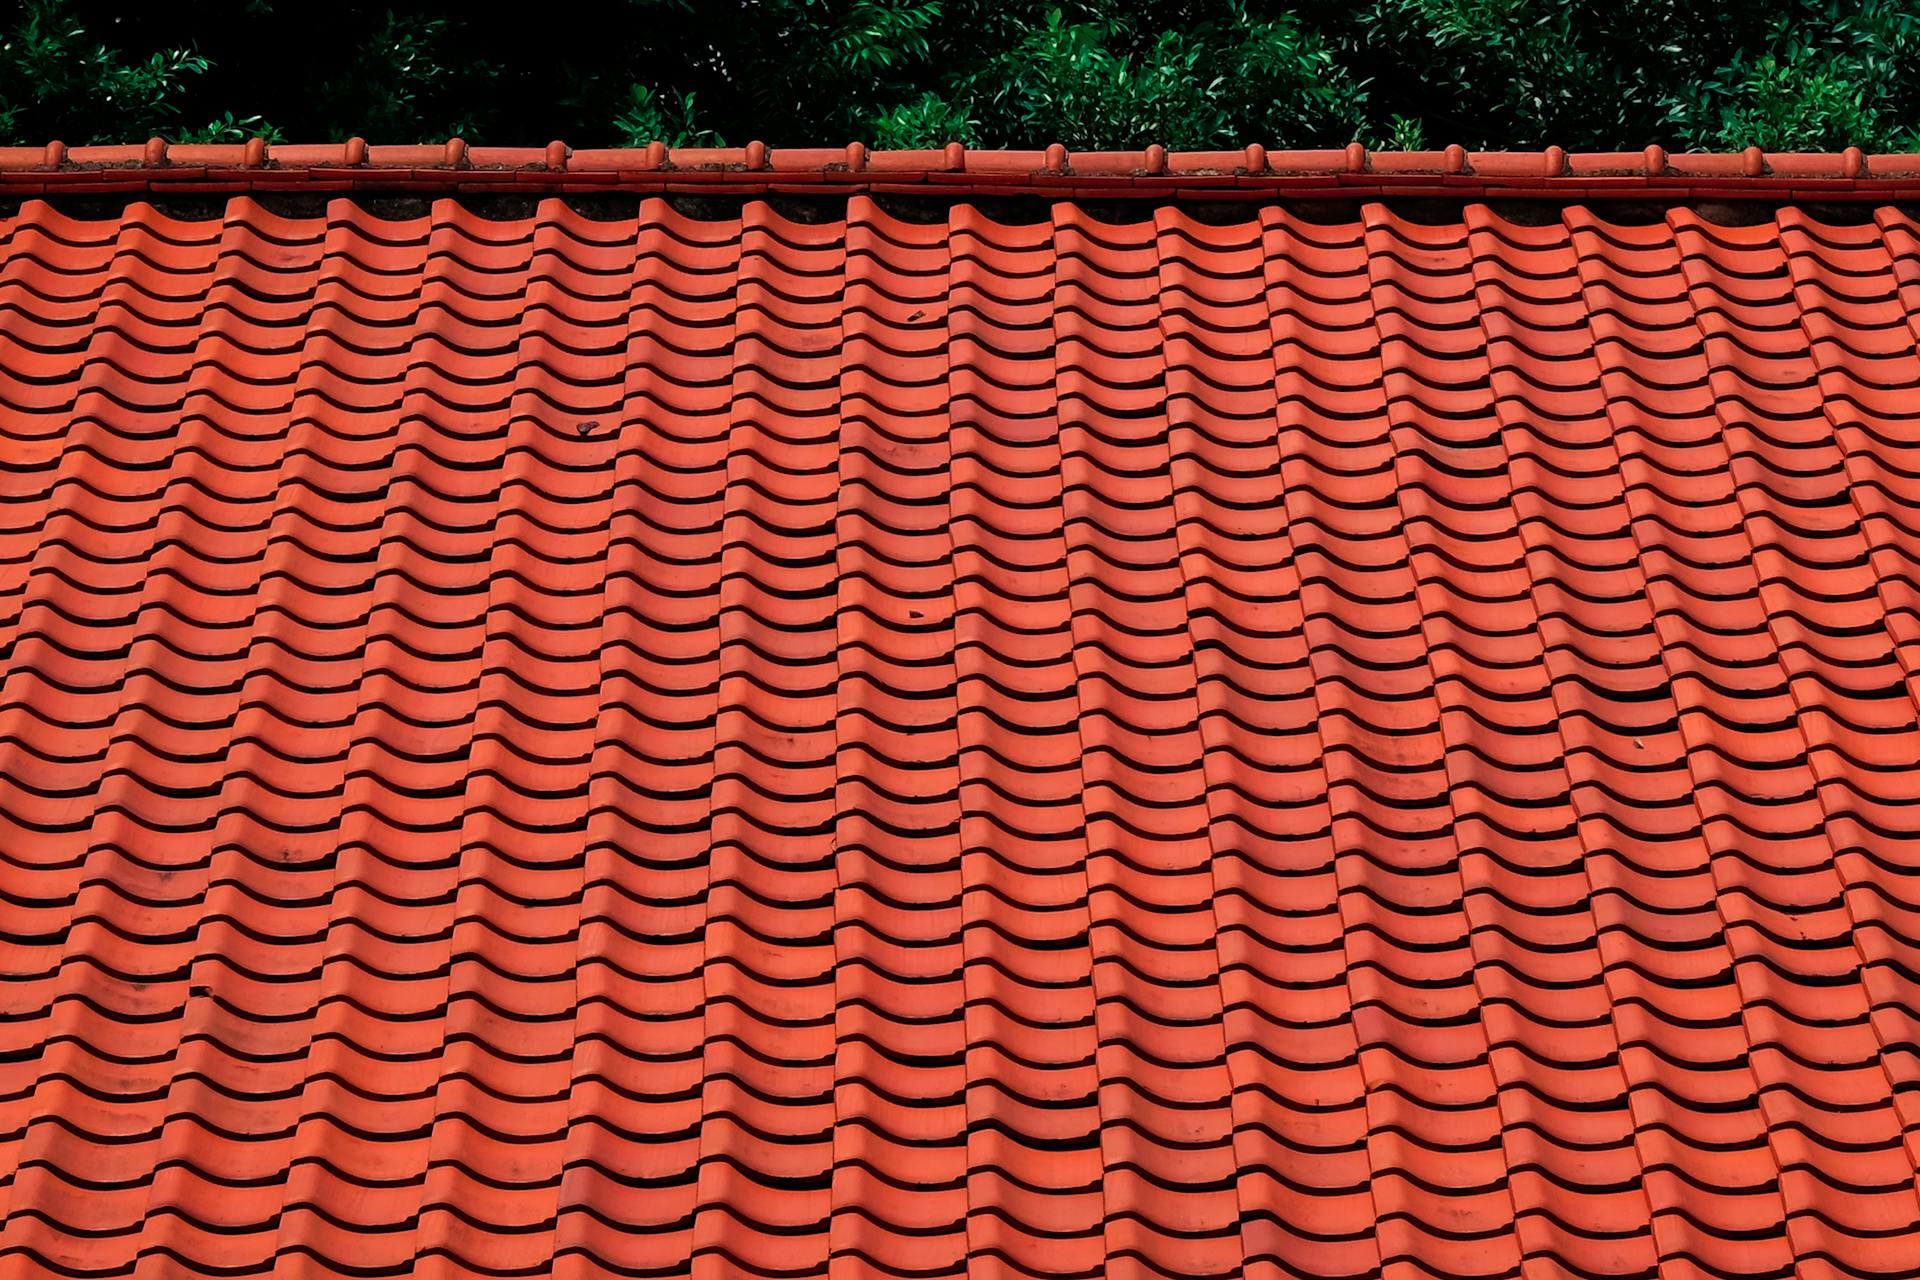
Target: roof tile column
(1579,647)
(399,300)
(1849,289)
(1034,1196)
(1834,683)
(1318,1202)
(232,1106)
(1685,1025)
(117,573)
(900,1167)
(767,1130)
(633,1159)
(42,752)
(1166,1141)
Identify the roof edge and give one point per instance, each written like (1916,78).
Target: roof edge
(1252,172)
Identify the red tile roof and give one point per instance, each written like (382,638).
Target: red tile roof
(881,748)
(1250,173)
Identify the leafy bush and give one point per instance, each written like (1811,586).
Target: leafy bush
(897,73)
(52,72)
(1090,84)
(1822,77)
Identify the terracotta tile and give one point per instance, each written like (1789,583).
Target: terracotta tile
(877,746)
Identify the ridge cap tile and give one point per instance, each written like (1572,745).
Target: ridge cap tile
(1451,171)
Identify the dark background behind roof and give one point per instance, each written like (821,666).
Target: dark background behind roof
(1780,74)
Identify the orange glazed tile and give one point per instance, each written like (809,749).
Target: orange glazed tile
(871,747)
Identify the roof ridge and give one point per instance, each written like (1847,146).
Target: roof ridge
(1253,170)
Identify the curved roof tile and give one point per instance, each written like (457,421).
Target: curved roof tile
(884,748)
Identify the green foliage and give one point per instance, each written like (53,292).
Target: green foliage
(1402,133)
(658,117)
(930,120)
(395,81)
(1722,74)
(55,76)
(229,129)
(1825,76)
(1215,83)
